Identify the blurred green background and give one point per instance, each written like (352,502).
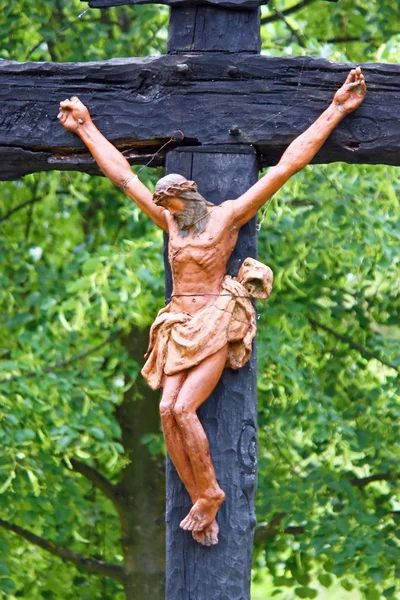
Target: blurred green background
(81,281)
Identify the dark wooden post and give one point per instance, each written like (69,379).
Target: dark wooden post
(229,417)
(230,414)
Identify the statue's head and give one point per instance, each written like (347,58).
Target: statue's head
(181,197)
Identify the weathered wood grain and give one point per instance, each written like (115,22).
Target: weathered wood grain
(214,99)
(229,417)
(17,162)
(213,29)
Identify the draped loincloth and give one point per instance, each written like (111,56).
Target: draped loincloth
(179,341)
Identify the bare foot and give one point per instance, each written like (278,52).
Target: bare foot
(203,513)
(208,536)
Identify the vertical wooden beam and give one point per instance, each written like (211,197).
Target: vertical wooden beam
(214,29)
(229,417)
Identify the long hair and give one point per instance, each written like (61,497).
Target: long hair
(195,213)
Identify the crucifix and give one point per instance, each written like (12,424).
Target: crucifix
(210,322)
(237,111)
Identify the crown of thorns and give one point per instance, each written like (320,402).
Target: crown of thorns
(174,190)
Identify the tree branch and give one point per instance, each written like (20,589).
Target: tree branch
(287,12)
(64,363)
(297,35)
(99,480)
(29,222)
(156,31)
(91,565)
(341,39)
(301,203)
(18,207)
(363,481)
(265,532)
(344,338)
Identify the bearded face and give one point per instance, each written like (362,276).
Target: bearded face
(195,212)
(184,219)
(192,216)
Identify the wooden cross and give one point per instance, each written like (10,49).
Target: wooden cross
(238,111)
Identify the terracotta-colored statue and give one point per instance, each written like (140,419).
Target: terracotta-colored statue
(210,321)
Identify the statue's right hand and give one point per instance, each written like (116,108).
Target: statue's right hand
(73,113)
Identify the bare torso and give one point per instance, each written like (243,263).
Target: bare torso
(199,263)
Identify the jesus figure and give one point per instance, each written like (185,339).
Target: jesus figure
(210,321)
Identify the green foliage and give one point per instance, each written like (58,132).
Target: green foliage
(80,266)
(55,31)
(328,411)
(349,30)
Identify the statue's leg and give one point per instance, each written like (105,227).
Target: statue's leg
(172,435)
(195,390)
(177,451)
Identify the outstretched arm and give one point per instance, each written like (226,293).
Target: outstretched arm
(75,117)
(302,150)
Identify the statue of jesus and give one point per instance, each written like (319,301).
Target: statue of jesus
(210,321)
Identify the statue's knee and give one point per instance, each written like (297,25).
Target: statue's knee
(180,411)
(166,409)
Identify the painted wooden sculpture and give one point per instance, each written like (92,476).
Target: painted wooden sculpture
(210,322)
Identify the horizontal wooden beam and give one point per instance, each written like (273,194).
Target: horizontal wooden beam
(237,102)
(16,162)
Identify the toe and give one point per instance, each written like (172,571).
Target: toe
(200,526)
(187,523)
(183,523)
(191,526)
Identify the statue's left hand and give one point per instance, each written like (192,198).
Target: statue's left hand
(352,93)
(73,113)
